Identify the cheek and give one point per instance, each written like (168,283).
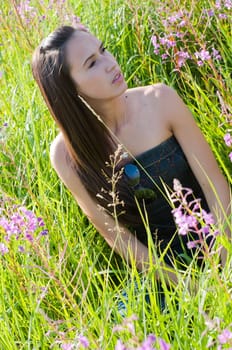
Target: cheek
(88,88)
(90,81)
(80,81)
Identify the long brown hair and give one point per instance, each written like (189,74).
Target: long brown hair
(87,139)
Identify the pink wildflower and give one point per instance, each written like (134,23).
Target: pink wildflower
(225,336)
(67,346)
(192,244)
(181,57)
(3,249)
(204,55)
(120,345)
(155,44)
(189,216)
(228,139)
(84,341)
(164,345)
(147,343)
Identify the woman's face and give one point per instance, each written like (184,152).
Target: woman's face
(94,70)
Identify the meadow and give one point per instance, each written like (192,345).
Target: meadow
(60,284)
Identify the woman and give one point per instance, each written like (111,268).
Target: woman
(88,97)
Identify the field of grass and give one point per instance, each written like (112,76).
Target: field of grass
(59,282)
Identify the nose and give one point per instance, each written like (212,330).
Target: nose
(111,64)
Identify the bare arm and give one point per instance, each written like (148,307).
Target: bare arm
(200,158)
(118,237)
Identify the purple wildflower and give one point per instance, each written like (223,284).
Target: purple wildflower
(40,221)
(17,219)
(164,56)
(228,4)
(174,18)
(26,11)
(165,23)
(168,41)
(222,16)
(44,233)
(29,237)
(204,55)
(84,341)
(148,342)
(120,346)
(218,4)
(225,336)
(3,249)
(67,346)
(181,57)
(179,35)
(21,249)
(189,217)
(181,221)
(208,12)
(164,345)
(182,23)
(208,217)
(155,44)
(228,139)
(4,223)
(192,244)
(1,74)
(191,220)
(205,230)
(216,54)
(163,40)
(10,227)
(177,187)
(21,224)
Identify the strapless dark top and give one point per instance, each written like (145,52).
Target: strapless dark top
(164,163)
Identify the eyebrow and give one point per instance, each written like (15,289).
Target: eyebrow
(91,56)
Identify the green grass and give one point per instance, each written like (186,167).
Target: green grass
(67,283)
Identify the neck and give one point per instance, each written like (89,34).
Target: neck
(113,112)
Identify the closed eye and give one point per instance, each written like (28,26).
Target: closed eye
(102,50)
(92,64)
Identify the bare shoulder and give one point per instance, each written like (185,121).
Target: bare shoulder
(169,102)
(148,95)
(154,89)
(62,162)
(159,91)
(58,152)
(67,172)
(156,93)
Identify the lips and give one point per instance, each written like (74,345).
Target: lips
(117,77)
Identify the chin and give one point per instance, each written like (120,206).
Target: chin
(123,87)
